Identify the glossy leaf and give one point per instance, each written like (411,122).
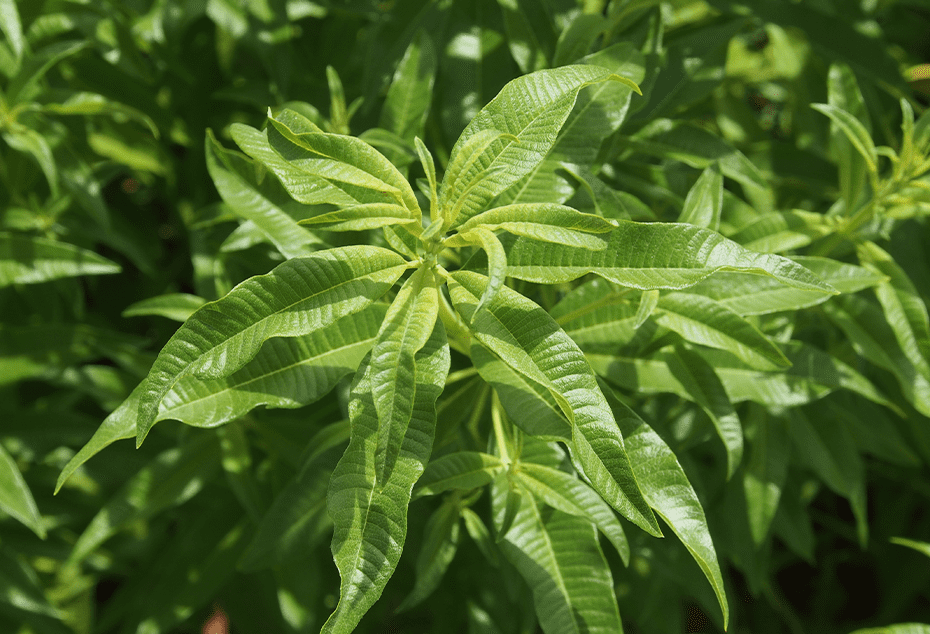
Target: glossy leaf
(30,260)
(526,339)
(371,517)
(296,298)
(669,492)
(652,256)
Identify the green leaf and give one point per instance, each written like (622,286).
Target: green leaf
(566,493)
(898,628)
(343,160)
(36,65)
(652,256)
(598,112)
(702,320)
(459,470)
(429,168)
(371,518)
(31,142)
(31,260)
(530,35)
(529,404)
(15,497)
(172,478)
(532,109)
(88,103)
(176,306)
(783,231)
(234,177)
(408,98)
(360,217)
(757,295)
(440,541)
(647,304)
(843,93)
(705,200)
(525,338)
(296,298)
(854,131)
(668,491)
(497,258)
(12,27)
(559,557)
(921,547)
(547,222)
(407,327)
(764,477)
(703,385)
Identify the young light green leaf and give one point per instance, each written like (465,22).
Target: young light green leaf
(532,109)
(298,297)
(340,159)
(548,222)
(176,306)
(88,103)
(229,172)
(559,557)
(497,258)
(30,260)
(459,470)
(524,336)
(429,168)
(703,321)
(172,478)
(782,231)
(15,497)
(361,217)
(338,113)
(703,385)
(765,473)
(371,518)
(669,492)
(566,493)
(652,256)
(440,541)
(12,27)
(407,327)
(705,199)
(408,98)
(843,93)
(921,547)
(854,131)
(647,304)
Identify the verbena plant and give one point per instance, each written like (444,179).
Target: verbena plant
(492,332)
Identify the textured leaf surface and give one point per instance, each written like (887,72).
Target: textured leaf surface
(524,336)
(669,492)
(559,557)
(652,256)
(30,260)
(371,519)
(545,221)
(459,470)
(296,298)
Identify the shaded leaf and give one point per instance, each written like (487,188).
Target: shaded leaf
(15,497)
(31,260)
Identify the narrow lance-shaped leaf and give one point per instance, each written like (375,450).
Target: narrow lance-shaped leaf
(854,131)
(408,98)
(360,217)
(705,200)
(559,557)
(296,298)
(647,304)
(228,170)
(497,258)
(407,327)
(176,306)
(566,493)
(371,518)
(459,470)
(440,541)
(31,260)
(526,338)
(652,256)
(15,497)
(547,222)
(702,383)
(765,474)
(669,492)
(429,168)
(532,109)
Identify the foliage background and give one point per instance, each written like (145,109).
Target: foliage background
(104,113)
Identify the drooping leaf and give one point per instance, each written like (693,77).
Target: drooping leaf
(297,297)
(230,173)
(407,327)
(559,557)
(568,494)
(371,518)
(532,109)
(525,338)
(670,494)
(652,256)
(30,260)
(175,306)
(15,497)
(919,546)
(703,385)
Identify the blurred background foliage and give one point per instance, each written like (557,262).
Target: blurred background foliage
(104,107)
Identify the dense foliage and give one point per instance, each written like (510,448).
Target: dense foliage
(477,300)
